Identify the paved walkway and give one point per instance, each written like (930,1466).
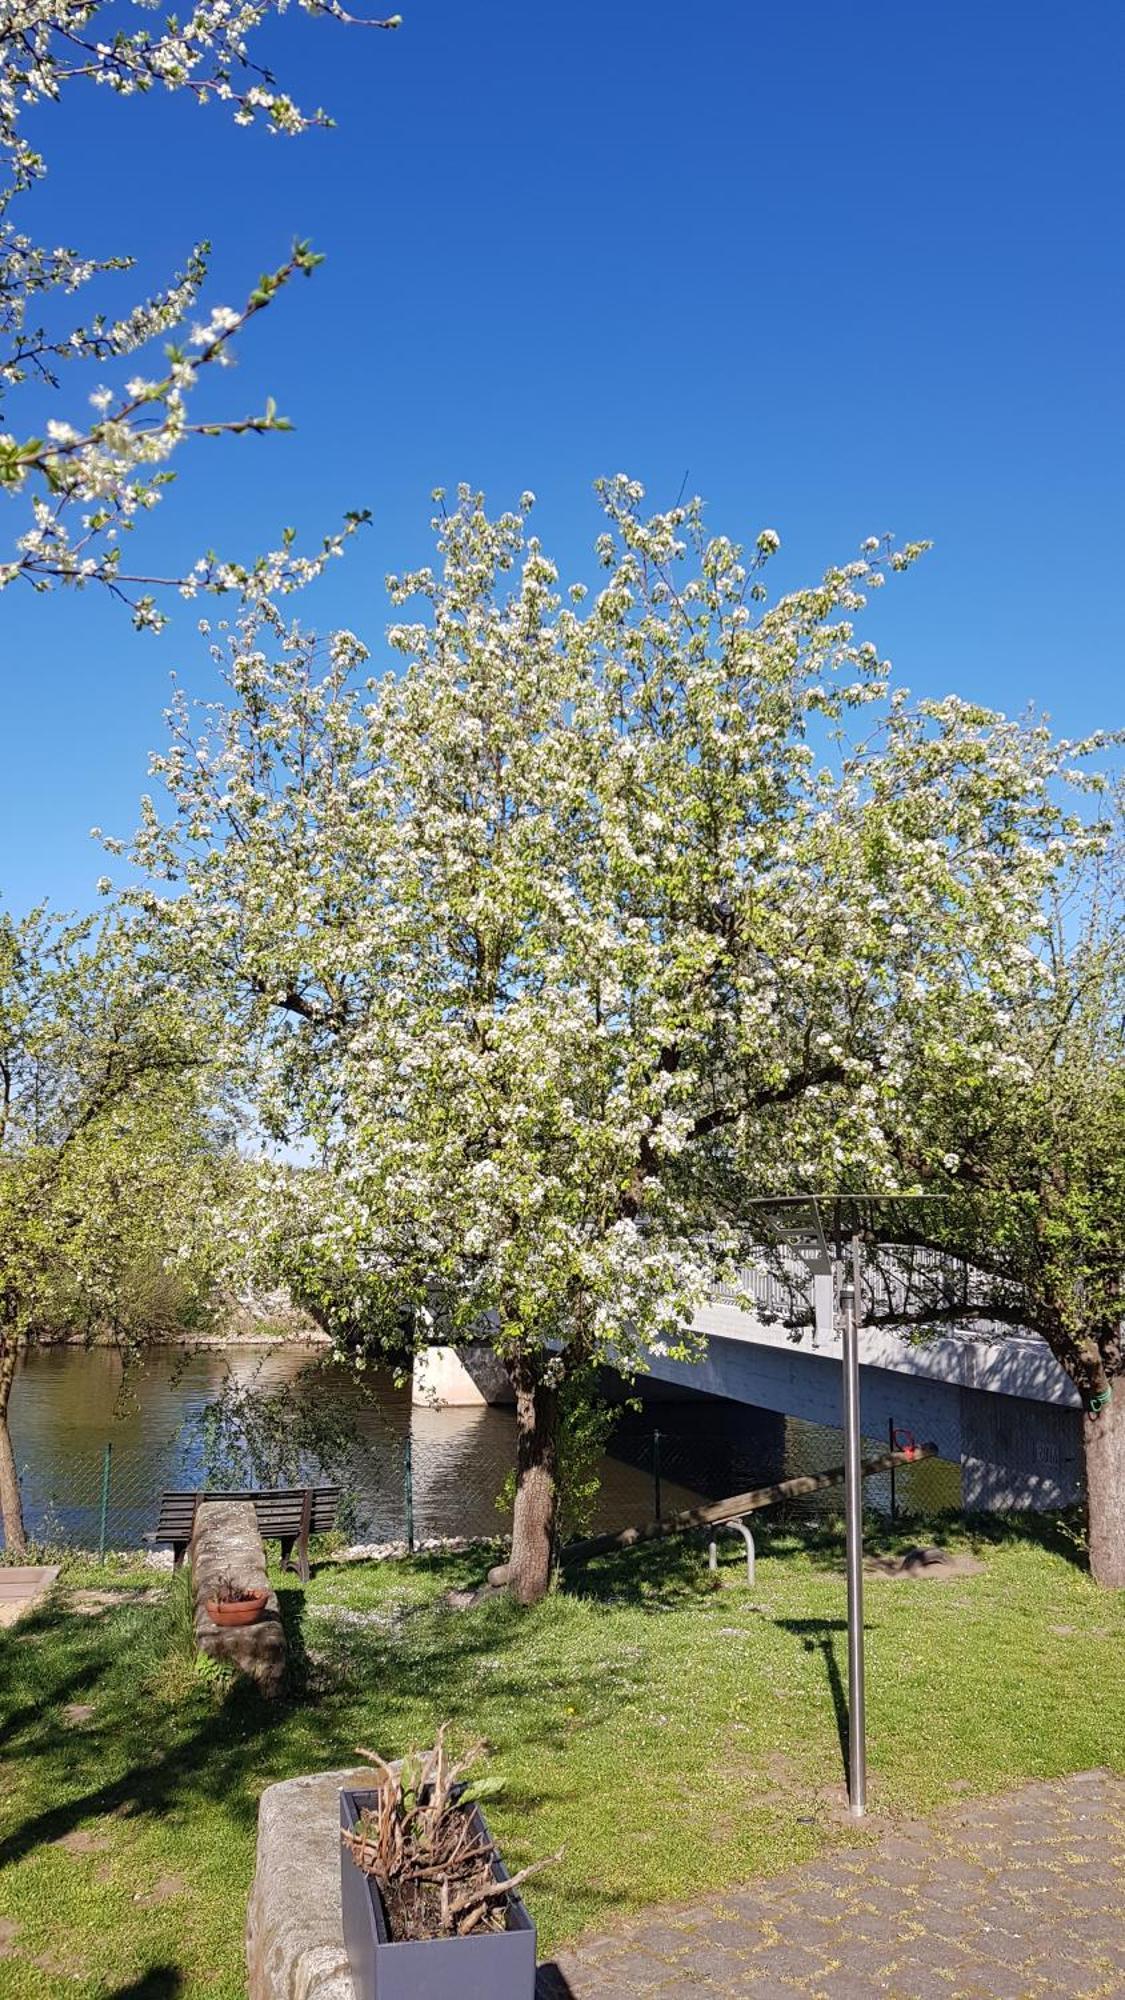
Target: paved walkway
(1005,1899)
(21,1587)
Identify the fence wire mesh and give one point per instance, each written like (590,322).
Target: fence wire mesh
(712,1450)
(422,1475)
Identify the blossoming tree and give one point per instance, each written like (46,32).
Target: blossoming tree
(84,484)
(596,916)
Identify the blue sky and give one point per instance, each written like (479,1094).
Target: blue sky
(847,269)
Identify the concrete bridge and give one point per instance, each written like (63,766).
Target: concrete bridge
(998,1406)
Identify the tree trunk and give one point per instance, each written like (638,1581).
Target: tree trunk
(537,1441)
(1103,1438)
(11,1505)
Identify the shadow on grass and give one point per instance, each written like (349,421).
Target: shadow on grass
(138,1756)
(662,1575)
(80,1682)
(818,1635)
(655,1576)
(206,1757)
(291,1609)
(160,1982)
(1060,1534)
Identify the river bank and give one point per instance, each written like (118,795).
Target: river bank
(213,1340)
(97,1439)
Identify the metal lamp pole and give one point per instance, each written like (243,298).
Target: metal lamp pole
(853,1524)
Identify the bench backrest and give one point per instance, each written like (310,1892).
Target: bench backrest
(279,1512)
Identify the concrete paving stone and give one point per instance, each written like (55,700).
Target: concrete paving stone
(1109,1956)
(751,1986)
(724,1924)
(1057,1969)
(954,1927)
(916,1983)
(1007,1983)
(844,1986)
(1017,1898)
(1084,1940)
(608,1989)
(1073,1982)
(723,1970)
(865,1961)
(673,1945)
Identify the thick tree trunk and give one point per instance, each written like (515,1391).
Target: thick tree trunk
(11,1505)
(537,1442)
(1104,1445)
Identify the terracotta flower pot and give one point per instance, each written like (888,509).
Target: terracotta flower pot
(238,1610)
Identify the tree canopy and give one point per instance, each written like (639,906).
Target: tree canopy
(110,1170)
(599,914)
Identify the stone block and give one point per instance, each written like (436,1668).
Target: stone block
(226,1546)
(294,1928)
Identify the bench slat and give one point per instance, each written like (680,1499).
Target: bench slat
(280,1512)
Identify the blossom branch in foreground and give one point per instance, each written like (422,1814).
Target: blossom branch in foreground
(116,470)
(88,483)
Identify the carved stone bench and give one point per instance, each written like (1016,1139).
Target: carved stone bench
(226,1546)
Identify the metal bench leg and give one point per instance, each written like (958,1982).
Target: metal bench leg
(179,1551)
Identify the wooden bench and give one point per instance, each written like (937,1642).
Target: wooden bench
(288,1515)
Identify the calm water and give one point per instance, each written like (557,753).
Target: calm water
(69,1403)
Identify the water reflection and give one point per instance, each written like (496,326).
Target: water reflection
(69,1403)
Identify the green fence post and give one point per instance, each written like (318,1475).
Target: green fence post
(106,1456)
(656,1472)
(891,1434)
(408,1489)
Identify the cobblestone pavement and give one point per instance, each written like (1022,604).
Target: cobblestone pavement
(1002,1899)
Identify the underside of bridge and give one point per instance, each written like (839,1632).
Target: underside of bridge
(1011,1452)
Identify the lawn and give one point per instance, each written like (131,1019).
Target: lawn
(672,1737)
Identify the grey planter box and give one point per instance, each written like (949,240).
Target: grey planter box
(500,1965)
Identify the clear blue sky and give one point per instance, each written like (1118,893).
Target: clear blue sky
(849,269)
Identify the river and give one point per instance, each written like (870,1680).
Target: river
(69,1403)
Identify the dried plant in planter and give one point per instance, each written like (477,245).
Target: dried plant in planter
(424,1848)
(227,1591)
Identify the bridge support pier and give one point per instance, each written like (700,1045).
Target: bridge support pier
(459,1378)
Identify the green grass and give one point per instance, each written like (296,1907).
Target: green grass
(672,1737)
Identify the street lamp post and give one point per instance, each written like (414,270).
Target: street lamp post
(853,1527)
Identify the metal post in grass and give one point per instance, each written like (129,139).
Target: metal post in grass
(825,1271)
(891,1446)
(853,1525)
(106,1458)
(656,1474)
(408,1489)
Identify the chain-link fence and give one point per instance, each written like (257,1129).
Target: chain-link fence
(421,1475)
(107,1497)
(712,1450)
